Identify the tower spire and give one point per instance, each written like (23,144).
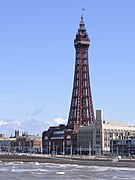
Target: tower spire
(82,24)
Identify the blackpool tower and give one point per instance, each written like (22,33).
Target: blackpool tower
(62,139)
(81,109)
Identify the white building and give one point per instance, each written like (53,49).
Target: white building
(96,138)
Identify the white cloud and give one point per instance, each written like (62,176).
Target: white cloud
(17,123)
(32,126)
(59,120)
(4,123)
(9,126)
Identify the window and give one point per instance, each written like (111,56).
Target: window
(68,137)
(46,138)
(58,132)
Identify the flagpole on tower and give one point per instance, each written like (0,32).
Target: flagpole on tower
(82,11)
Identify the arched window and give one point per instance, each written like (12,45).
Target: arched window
(68,137)
(46,138)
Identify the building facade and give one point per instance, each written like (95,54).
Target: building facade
(123,147)
(6,144)
(28,144)
(57,140)
(21,144)
(100,137)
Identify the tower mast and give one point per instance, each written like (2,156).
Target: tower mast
(81,109)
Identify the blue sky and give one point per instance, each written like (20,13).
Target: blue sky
(37,60)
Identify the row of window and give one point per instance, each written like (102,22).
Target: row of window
(58,132)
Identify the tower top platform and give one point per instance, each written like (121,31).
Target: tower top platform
(82,37)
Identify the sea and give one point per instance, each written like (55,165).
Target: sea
(51,171)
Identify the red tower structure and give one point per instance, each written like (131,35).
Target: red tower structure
(63,139)
(81,109)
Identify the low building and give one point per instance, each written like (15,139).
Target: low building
(6,144)
(57,140)
(28,143)
(24,144)
(96,138)
(123,147)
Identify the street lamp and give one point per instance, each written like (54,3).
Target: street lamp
(71,150)
(49,147)
(117,151)
(80,150)
(89,148)
(63,148)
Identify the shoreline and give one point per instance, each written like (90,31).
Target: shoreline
(69,160)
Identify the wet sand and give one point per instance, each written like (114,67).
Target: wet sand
(69,160)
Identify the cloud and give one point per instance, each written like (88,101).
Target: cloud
(59,120)
(4,123)
(9,126)
(32,126)
(35,126)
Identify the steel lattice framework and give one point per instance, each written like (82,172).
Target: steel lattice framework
(81,109)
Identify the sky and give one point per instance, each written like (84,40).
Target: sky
(37,59)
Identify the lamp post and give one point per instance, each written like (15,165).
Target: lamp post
(112,146)
(80,150)
(53,148)
(129,147)
(56,149)
(49,147)
(63,148)
(117,151)
(113,137)
(71,149)
(89,148)
(30,147)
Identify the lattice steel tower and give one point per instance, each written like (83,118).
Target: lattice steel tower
(81,109)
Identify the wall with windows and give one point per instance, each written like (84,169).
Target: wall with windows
(100,135)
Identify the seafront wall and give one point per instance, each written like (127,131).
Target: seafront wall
(69,160)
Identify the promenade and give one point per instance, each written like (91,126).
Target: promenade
(79,160)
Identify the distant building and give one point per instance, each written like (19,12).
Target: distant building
(97,137)
(24,143)
(6,143)
(16,133)
(57,140)
(2,136)
(28,143)
(123,147)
